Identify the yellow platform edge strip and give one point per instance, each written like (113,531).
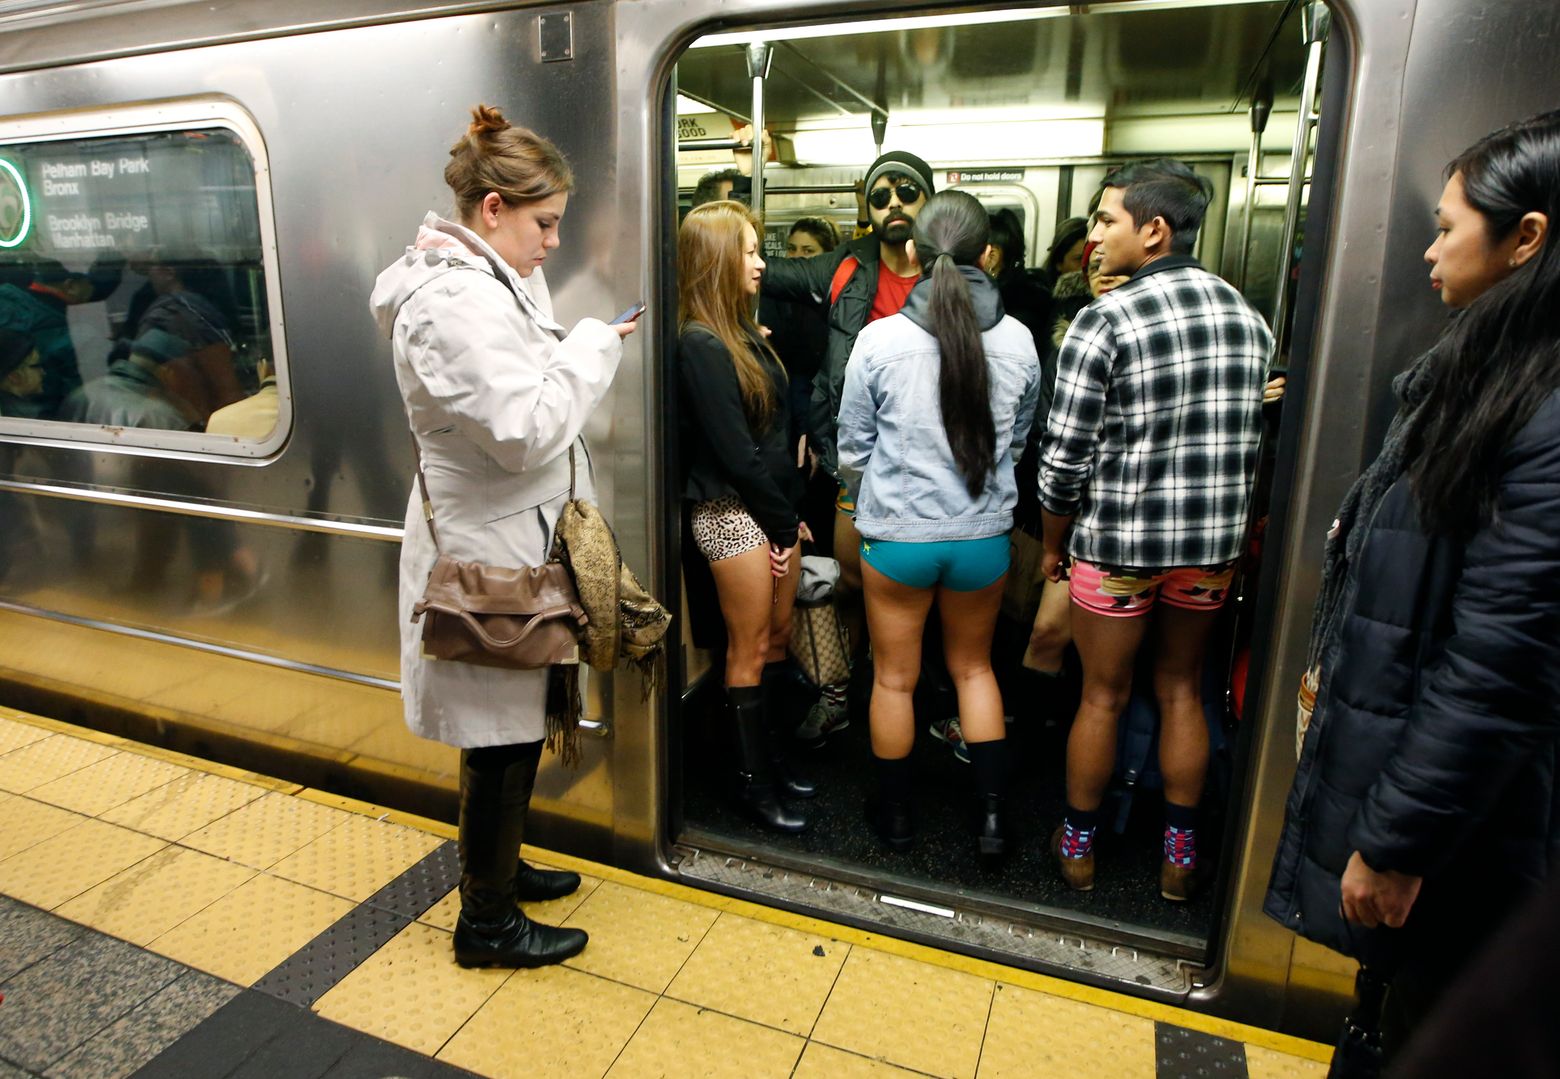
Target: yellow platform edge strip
(983,968)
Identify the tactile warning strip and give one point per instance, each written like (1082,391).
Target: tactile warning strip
(316,967)
(423,885)
(1190,1054)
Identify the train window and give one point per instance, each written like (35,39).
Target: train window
(137,284)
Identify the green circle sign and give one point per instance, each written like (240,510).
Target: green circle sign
(15,206)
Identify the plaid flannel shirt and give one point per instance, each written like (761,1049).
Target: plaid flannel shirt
(1152,438)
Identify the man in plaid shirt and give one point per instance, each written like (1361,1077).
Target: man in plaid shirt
(1145,478)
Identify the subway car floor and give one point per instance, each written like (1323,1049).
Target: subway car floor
(164,916)
(945,859)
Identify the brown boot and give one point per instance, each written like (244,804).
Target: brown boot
(1077,872)
(1177,883)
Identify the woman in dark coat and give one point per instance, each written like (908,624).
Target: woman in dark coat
(1424,807)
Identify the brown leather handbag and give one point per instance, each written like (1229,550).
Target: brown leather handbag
(493,616)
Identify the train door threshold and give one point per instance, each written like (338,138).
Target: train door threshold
(1064,948)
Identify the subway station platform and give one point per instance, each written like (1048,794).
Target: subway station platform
(166,916)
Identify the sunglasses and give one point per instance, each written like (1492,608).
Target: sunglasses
(907,190)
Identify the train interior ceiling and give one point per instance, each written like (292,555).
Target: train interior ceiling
(1027,110)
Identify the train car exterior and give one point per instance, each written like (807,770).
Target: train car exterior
(343,121)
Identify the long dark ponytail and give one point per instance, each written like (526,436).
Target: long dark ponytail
(1500,359)
(951,231)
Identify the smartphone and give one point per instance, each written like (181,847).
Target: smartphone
(633,312)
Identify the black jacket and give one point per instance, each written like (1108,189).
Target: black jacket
(808,281)
(721,454)
(1433,747)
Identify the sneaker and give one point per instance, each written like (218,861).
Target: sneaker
(823,719)
(949,732)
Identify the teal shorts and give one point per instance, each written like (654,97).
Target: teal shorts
(958,565)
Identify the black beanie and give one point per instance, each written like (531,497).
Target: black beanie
(14,348)
(902,161)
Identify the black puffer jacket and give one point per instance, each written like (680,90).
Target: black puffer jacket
(1433,747)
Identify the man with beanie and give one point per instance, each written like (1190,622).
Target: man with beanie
(858,282)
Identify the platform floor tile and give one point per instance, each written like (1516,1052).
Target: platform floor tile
(787,990)
(48,759)
(356,858)
(14,735)
(636,937)
(550,1023)
(143,902)
(252,929)
(415,966)
(826,1062)
(266,830)
(1264,1063)
(28,822)
(1034,1033)
(29,935)
(186,804)
(122,1047)
(100,787)
(678,1040)
(62,867)
(442,915)
(907,1012)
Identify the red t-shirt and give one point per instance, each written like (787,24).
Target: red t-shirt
(892,292)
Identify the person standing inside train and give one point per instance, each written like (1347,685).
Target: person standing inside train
(857,283)
(497,392)
(936,406)
(1145,477)
(1425,796)
(741,477)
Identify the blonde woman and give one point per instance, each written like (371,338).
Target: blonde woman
(741,478)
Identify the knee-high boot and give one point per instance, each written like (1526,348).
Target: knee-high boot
(990,762)
(755,771)
(495,793)
(792,780)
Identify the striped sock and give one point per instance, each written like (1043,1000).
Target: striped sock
(1078,830)
(1180,834)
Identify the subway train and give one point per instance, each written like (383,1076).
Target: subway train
(235,175)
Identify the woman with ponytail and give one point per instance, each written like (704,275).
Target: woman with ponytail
(1424,803)
(937,404)
(497,393)
(743,489)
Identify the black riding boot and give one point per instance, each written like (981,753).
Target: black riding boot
(755,773)
(792,780)
(495,792)
(890,810)
(989,761)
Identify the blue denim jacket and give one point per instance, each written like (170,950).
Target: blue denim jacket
(892,446)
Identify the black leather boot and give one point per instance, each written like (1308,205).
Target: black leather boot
(755,771)
(889,812)
(989,761)
(495,792)
(534,885)
(792,780)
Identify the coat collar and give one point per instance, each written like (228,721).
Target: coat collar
(457,242)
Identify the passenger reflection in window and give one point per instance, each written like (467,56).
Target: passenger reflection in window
(38,310)
(187,298)
(21,373)
(254,417)
(131,393)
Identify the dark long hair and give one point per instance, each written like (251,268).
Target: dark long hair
(952,231)
(1500,359)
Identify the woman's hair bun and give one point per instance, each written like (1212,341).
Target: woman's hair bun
(486,120)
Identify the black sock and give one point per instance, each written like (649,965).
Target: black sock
(1179,816)
(989,760)
(893,776)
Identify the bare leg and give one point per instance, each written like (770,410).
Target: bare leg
(1052,631)
(968,622)
(896,616)
(1180,645)
(746,591)
(848,596)
(1107,646)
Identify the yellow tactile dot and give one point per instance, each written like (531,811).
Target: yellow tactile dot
(550,1023)
(266,830)
(827,1062)
(178,808)
(442,914)
(62,867)
(907,1012)
(1034,1033)
(47,759)
(1268,1064)
(14,735)
(411,992)
(786,990)
(357,858)
(678,1040)
(26,822)
(100,787)
(638,938)
(151,897)
(247,932)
